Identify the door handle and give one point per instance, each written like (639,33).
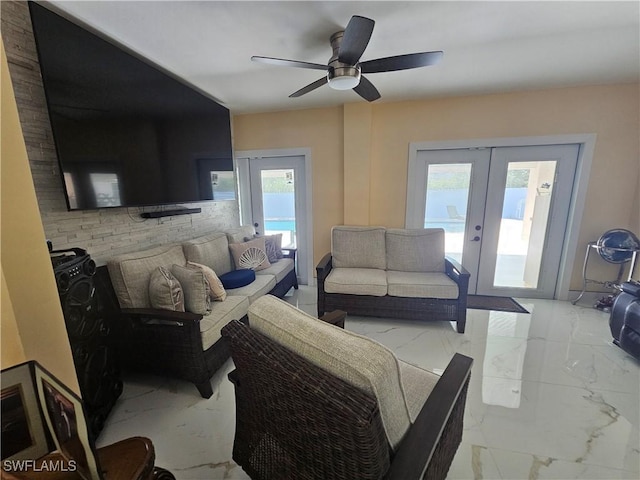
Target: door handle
(256,224)
(475,239)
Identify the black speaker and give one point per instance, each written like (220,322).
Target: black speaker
(89,334)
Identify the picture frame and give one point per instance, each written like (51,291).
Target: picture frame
(24,434)
(66,420)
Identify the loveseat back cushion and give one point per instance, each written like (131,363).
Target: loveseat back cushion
(415,250)
(358,360)
(130,273)
(211,250)
(358,247)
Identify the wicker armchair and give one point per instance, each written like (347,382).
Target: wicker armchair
(297,420)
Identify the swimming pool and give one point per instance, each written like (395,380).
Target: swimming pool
(280,225)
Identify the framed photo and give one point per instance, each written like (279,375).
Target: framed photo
(23,429)
(65,418)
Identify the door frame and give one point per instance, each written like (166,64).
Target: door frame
(579,193)
(244,192)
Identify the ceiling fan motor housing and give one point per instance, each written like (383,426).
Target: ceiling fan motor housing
(341,76)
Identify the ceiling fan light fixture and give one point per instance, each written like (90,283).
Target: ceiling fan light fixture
(344,78)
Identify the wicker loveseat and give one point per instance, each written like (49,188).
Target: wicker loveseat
(314,401)
(183,345)
(397,273)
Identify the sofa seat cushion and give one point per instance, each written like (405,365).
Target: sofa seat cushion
(415,250)
(262,285)
(358,247)
(417,384)
(232,308)
(357,281)
(130,273)
(238,278)
(210,250)
(354,358)
(421,285)
(278,269)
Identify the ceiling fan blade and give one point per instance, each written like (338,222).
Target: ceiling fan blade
(366,90)
(355,39)
(281,62)
(310,87)
(401,62)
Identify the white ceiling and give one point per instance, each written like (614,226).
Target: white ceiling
(488,46)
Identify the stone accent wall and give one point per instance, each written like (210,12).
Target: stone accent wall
(103,233)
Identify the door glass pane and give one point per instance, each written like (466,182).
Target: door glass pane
(446,203)
(279,205)
(523,226)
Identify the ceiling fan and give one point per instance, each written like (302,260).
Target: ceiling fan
(344,70)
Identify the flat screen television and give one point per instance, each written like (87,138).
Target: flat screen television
(127,133)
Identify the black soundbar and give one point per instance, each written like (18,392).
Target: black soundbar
(170,213)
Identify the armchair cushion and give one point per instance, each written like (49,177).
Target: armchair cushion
(358,360)
(418,384)
(419,250)
(357,281)
(421,285)
(358,247)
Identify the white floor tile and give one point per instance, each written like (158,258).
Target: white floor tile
(550,397)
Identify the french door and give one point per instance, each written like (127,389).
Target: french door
(504,211)
(274,200)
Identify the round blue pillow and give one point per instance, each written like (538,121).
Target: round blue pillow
(237,278)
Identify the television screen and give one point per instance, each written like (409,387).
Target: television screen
(126,133)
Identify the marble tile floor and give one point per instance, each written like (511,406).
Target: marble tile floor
(550,397)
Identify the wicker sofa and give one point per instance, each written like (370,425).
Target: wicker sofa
(184,345)
(314,401)
(398,273)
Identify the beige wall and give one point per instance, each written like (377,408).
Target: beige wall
(318,129)
(11,351)
(374,176)
(32,323)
